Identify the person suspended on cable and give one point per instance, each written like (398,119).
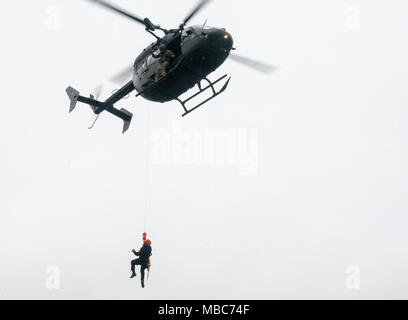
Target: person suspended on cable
(166,57)
(143,261)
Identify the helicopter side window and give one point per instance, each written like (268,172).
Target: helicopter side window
(142,69)
(151,60)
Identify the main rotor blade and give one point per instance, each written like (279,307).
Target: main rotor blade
(256,65)
(197,8)
(118,10)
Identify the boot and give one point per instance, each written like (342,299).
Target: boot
(133,275)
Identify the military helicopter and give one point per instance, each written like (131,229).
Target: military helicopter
(198,50)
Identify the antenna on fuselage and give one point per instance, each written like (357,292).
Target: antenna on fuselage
(205,23)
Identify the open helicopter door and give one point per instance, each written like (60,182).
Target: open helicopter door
(175,45)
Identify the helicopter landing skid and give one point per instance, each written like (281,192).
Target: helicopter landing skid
(201,90)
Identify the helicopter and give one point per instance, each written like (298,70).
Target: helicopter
(198,51)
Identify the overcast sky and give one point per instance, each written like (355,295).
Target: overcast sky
(310,200)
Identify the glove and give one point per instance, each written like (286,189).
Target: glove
(133,250)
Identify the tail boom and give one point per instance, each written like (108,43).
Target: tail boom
(98,107)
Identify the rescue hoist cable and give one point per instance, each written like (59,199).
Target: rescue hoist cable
(147,167)
(147,176)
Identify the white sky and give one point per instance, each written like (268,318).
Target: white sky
(331,186)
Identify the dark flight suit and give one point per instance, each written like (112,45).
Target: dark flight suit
(144,254)
(165,59)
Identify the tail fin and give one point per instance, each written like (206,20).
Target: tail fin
(126,120)
(73,96)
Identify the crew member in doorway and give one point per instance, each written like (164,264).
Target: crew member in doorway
(143,261)
(166,57)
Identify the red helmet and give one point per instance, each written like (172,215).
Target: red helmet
(147,242)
